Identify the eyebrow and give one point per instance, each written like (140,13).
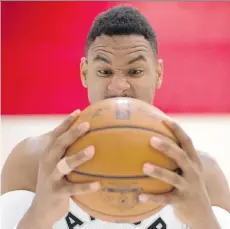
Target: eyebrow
(138,58)
(101,58)
(104,59)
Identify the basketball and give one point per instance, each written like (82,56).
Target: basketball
(120,131)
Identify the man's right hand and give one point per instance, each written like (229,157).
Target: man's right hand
(51,202)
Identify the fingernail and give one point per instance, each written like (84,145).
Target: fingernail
(83,126)
(89,151)
(95,186)
(143,198)
(155,141)
(75,113)
(148,168)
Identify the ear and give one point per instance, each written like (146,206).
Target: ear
(84,71)
(159,70)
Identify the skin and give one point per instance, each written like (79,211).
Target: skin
(112,69)
(116,66)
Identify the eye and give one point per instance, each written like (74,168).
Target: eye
(135,72)
(105,73)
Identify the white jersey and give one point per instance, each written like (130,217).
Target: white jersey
(15,204)
(77,218)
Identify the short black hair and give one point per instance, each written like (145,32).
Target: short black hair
(122,20)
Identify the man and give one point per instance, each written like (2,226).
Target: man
(121,60)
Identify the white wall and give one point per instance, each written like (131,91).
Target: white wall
(209,133)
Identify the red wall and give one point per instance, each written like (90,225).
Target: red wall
(42,43)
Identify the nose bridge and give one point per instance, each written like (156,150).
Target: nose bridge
(118,77)
(118,82)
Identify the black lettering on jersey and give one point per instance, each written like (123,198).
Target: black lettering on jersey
(158,224)
(137,223)
(72,221)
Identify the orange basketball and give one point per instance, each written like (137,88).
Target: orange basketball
(120,130)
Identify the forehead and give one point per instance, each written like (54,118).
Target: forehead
(122,46)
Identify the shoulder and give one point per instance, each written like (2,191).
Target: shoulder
(210,165)
(207,159)
(23,160)
(216,181)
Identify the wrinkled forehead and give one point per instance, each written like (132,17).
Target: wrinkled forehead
(126,46)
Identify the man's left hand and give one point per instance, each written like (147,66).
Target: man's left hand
(189,198)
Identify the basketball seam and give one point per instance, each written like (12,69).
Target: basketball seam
(115,177)
(133,127)
(124,177)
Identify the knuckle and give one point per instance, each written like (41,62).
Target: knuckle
(60,145)
(73,134)
(67,121)
(62,127)
(78,159)
(183,157)
(85,187)
(177,180)
(165,146)
(81,188)
(175,126)
(72,162)
(158,171)
(187,140)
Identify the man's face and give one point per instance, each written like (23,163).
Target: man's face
(121,66)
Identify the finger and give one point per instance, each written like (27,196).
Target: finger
(77,189)
(165,175)
(160,61)
(185,140)
(65,124)
(164,199)
(63,142)
(172,151)
(67,164)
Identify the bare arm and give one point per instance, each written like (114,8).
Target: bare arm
(32,160)
(23,160)
(30,220)
(217,184)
